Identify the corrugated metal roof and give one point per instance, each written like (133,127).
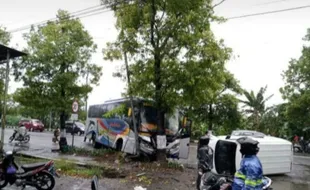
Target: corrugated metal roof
(13,52)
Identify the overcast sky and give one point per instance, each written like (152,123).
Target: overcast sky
(262,45)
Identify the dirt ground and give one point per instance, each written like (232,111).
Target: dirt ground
(150,175)
(151,181)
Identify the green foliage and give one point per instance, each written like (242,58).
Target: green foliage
(224,116)
(59,55)
(297,89)
(175,57)
(12,120)
(70,168)
(5,36)
(274,122)
(118,111)
(256,106)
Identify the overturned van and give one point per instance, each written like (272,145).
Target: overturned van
(275,154)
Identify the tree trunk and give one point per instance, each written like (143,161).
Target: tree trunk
(161,136)
(63,140)
(210,117)
(161,140)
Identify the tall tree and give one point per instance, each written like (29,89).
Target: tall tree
(256,105)
(275,121)
(59,55)
(5,38)
(222,101)
(175,57)
(297,88)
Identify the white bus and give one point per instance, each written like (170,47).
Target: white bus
(110,124)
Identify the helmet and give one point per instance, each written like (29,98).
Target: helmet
(248,146)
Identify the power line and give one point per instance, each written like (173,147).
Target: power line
(268,12)
(272,2)
(73,14)
(82,14)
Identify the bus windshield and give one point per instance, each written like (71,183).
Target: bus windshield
(172,122)
(149,115)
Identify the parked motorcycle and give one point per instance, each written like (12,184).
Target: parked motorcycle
(206,179)
(21,138)
(38,175)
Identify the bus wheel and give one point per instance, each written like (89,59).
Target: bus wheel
(119,145)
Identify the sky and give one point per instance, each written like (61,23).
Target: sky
(262,45)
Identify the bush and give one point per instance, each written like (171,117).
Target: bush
(12,120)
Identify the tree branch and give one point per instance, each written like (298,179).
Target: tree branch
(218,4)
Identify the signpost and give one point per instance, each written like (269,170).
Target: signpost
(74,117)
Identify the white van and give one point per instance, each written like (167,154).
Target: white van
(275,154)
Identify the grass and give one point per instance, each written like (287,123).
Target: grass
(86,152)
(69,168)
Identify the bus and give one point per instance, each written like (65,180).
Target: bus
(110,125)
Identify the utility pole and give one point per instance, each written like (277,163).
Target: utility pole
(3,115)
(50,123)
(86,97)
(132,106)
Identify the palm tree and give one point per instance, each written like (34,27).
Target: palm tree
(255,105)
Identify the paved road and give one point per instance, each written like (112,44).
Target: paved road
(40,140)
(298,179)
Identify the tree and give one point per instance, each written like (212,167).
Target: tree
(5,36)
(297,89)
(275,121)
(256,105)
(220,106)
(175,57)
(59,55)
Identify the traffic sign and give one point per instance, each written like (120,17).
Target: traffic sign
(74,117)
(75,107)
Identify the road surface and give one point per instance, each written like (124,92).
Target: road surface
(298,179)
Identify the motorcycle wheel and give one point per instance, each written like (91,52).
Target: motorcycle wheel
(26,138)
(45,181)
(3,181)
(11,139)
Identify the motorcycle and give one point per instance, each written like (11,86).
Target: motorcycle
(21,138)
(38,175)
(206,179)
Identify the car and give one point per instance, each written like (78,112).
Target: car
(32,124)
(78,129)
(275,154)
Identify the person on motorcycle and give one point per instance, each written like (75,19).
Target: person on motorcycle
(250,174)
(21,131)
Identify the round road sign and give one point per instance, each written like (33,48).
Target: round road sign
(75,106)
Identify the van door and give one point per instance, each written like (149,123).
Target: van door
(185,137)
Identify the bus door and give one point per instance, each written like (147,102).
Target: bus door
(185,135)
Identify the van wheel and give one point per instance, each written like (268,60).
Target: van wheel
(119,145)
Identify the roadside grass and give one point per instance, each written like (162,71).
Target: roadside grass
(69,168)
(87,152)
